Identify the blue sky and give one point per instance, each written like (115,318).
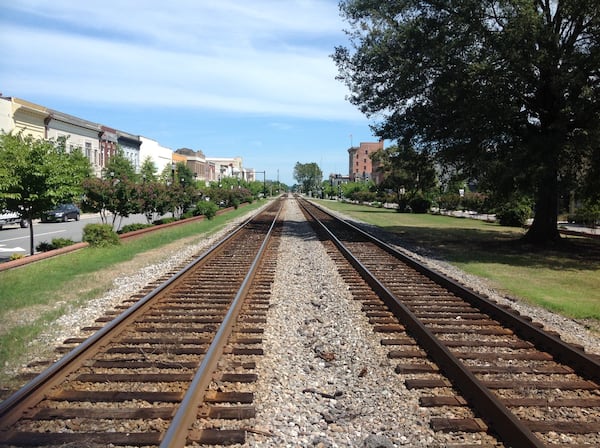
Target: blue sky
(251,78)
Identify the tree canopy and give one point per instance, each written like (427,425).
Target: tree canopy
(36,175)
(507,91)
(406,171)
(309,175)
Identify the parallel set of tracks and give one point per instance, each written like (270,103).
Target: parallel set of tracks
(154,375)
(163,371)
(485,368)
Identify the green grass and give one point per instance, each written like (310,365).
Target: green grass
(46,289)
(564,278)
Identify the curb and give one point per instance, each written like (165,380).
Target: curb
(77,246)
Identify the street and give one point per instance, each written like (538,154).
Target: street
(15,240)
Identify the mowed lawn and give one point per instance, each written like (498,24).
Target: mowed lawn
(564,278)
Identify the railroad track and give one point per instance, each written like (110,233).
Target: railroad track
(169,370)
(479,366)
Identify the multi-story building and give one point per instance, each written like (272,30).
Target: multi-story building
(130,145)
(160,155)
(17,115)
(97,142)
(108,144)
(77,133)
(196,162)
(227,167)
(361,167)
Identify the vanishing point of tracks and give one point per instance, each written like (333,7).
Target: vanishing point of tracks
(170,369)
(183,351)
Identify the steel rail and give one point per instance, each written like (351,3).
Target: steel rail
(28,394)
(177,433)
(585,365)
(501,419)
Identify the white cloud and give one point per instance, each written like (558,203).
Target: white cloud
(268,57)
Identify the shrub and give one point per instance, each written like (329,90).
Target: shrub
(164,221)
(44,246)
(514,213)
(100,235)
(56,243)
(449,201)
(474,201)
(133,227)
(588,214)
(188,214)
(363,196)
(16,257)
(420,204)
(403,206)
(206,208)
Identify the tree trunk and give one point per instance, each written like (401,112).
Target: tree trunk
(544,228)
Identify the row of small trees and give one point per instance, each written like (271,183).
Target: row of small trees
(121,192)
(38,174)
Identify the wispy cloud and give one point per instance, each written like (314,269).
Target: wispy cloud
(259,56)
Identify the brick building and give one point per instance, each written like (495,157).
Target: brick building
(361,167)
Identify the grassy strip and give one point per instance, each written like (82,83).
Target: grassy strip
(42,291)
(564,278)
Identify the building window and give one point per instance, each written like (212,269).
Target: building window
(88,150)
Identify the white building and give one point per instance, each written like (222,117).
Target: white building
(160,155)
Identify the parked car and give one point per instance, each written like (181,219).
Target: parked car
(7,218)
(63,213)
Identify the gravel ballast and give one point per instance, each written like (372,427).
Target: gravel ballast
(350,398)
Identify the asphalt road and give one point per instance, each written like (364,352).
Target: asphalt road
(13,239)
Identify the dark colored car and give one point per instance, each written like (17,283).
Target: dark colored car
(63,213)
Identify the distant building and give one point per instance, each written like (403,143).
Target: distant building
(335,180)
(196,162)
(360,166)
(227,167)
(160,155)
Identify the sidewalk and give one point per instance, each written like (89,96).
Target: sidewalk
(563,226)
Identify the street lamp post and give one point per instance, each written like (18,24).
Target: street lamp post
(264,173)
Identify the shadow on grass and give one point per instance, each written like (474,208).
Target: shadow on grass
(505,247)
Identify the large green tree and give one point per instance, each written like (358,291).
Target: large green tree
(506,91)
(36,175)
(309,175)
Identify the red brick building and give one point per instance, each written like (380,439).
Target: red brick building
(361,167)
